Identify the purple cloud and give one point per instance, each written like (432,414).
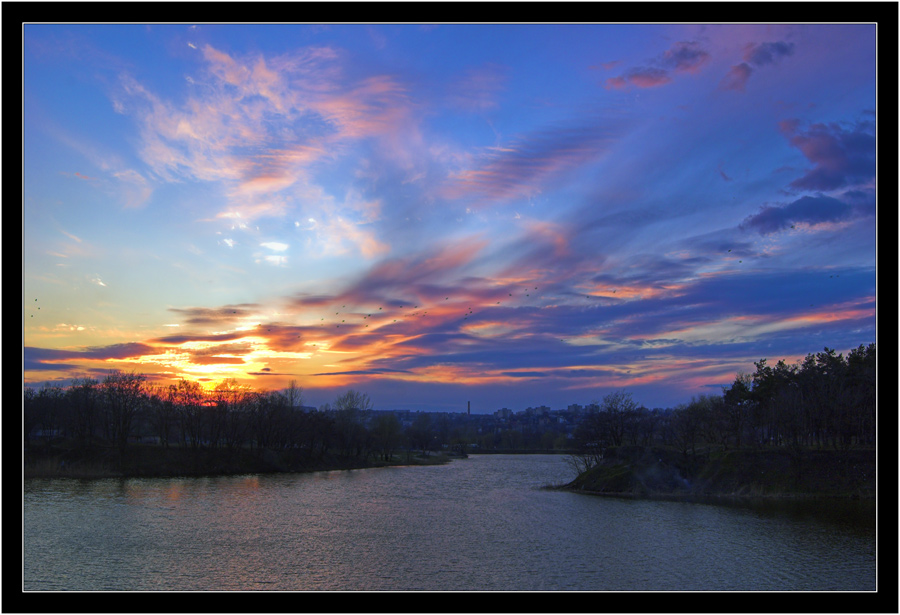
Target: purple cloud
(806,210)
(737,77)
(46,358)
(216,337)
(682,57)
(762,54)
(685,57)
(207,316)
(768,53)
(642,77)
(524,166)
(841,156)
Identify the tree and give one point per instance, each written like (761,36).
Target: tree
(83,401)
(738,401)
(123,395)
(189,398)
(163,413)
(267,414)
(351,413)
(687,425)
(231,413)
(294,395)
(421,432)
(386,432)
(42,410)
(861,371)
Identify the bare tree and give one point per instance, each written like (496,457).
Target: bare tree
(189,399)
(123,394)
(351,414)
(386,432)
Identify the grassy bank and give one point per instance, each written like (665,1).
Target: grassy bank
(665,473)
(157,461)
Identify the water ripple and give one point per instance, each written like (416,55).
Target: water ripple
(480,524)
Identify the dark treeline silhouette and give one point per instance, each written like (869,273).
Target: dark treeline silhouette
(123,412)
(827,401)
(124,409)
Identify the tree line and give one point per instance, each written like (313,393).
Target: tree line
(117,410)
(231,416)
(826,401)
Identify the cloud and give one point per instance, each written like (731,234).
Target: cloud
(215,316)
(423,276)
(605,65)
(133,188)
(222,349)
(215,360)
(197,337)
(755,56)
(768,53)
(49,359)
(810,210)
(365,372)
(736,78)
(842,155)
(644,77)
(337,236)
(524,166)
(259,124)
(478,88)
(685,57)
(682,57)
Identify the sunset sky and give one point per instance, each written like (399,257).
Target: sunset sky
(512,215)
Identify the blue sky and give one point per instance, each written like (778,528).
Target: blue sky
(512,215)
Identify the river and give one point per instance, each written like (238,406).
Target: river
(481,523)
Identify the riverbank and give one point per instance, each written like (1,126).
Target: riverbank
(142,461)
(654,472)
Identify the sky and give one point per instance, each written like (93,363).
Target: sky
(436,215)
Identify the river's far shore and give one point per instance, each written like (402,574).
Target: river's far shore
(659,473)
(151,461)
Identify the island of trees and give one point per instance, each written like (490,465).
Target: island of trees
(791,417)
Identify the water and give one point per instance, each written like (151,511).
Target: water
(481,523)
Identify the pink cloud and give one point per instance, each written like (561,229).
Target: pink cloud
(736,78)
(682,57)
(640,78)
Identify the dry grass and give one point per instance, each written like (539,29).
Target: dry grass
(53,467)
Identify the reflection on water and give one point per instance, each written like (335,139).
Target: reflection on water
(481,523)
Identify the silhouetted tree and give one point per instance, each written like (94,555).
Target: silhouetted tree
(386,431)
(83,402)
(232,410)
(123,395)
(162,412)
(189,402)
(421,432)
(351,414)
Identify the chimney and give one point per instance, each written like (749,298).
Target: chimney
(469,410)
